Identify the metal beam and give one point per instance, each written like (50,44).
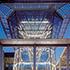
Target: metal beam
(37,42)
(34,6)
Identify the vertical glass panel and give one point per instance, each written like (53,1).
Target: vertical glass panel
(46,58)
(35,58)
(25,58)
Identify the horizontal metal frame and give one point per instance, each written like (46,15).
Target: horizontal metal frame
(34,6)
(36,42)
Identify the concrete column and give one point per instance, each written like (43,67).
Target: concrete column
(1,59)
(60,64)
(68,55)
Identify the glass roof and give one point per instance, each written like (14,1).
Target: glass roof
(32,24)
(35,28)
(35,24)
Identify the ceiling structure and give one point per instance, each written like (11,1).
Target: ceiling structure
(33,24)
(34,21)
(39,21)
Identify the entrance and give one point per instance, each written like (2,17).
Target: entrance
(36,54)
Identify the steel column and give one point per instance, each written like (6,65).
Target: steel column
(1,59)
(34,58)
(50,59)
